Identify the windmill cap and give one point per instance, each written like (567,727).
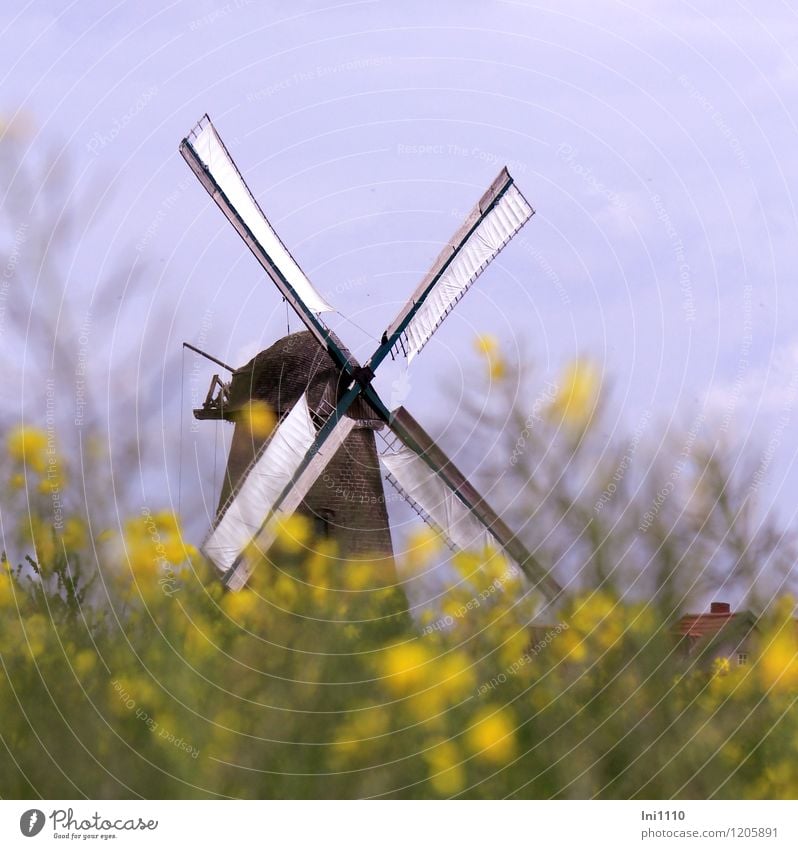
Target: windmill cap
(292,366)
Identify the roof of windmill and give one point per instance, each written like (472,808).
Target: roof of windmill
(291,366)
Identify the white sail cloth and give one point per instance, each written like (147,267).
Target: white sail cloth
(437,500)
(254,499)
(209,148)
(506,218)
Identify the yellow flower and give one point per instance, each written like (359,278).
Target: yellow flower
(721,666)
(514,648)
(198,639)
(467,563)
(17,480)
(578,395)
(174,550)
(571,645)
(84,662)
(405,667)
(491,736)
(422,545)
(28,445)
(428,704)
(258,418)
(488,346)
(166,522)
(598,618)
(360,575)
(456,678)
(294,533)
(447,774)
(74,534)
(778,665)
(286,591)
(241,605)
(6,590)
(40,535)
(54,482)
(359,733)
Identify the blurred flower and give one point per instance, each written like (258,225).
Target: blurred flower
(514,647)
(241,605)
(167,522)
(447,774)
(294,532)
(258,417)
(358,733)
(778,665)
(74,535)
(285,591)
(84,663)
(488,346)
(360,575)
(422,545)
(28,446)
(456,678)
(6,590)
(405,667)
(491,735)
(578,395)
(721,666)
(572,646)
(41,535)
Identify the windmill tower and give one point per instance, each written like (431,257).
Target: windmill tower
(283,473)
(347,503)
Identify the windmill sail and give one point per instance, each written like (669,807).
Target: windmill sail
(420,485)
(427,477)
(266,478)
(209,159)
(499,215)
(285,487)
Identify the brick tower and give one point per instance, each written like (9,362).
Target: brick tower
(347,503)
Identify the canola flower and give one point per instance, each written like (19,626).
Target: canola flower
(447,773)
(28,446)
(488,346)
(311,683)
(259,419)
(578,395)
(491,735)
(778,663)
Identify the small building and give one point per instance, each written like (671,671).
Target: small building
(717,635)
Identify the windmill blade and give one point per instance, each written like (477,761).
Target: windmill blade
(500,214)
(208,158)
(430,479)
(272,488)
(297,479)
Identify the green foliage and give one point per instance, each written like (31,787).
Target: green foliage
(316,682)
(127,671)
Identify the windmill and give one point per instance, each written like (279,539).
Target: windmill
(295,455)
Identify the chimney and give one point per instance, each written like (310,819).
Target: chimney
(720,607)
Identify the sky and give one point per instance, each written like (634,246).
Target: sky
(656,141)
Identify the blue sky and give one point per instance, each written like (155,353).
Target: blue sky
(656,141)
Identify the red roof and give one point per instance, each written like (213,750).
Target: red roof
(705,624)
